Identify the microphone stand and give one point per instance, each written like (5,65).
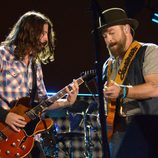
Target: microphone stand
(87,129)
(87,137)
(96,10)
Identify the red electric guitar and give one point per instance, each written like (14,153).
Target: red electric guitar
(19,144)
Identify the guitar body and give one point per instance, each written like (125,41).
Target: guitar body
(110,119)
(19,144)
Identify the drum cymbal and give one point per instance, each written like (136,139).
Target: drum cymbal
(69,135)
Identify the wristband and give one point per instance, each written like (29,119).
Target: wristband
(123,92)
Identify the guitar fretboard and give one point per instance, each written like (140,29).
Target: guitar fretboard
(33,113)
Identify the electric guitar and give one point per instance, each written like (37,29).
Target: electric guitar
(111,106)
(19,144)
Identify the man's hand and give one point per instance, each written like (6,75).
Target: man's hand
(71,98)
(72,94)
(15,121)
(111,91)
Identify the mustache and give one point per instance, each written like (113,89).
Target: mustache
(44,44)
(112,44)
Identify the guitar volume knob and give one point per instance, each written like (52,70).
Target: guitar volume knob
(7,152)
(17,154)
(14,144)
(23,147)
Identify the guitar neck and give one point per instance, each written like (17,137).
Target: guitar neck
(45,103)
(63,92)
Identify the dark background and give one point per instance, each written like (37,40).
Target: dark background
(73,23)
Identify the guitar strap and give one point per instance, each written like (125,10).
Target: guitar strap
(34,83)
(129,56)
(127,59)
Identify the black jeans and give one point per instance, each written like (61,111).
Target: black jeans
(115,143)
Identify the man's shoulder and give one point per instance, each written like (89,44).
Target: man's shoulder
(152,45)
(6,53)
(6,49)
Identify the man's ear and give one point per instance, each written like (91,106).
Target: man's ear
(127,28)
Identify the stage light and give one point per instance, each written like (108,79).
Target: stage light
(155,18)
(80,94)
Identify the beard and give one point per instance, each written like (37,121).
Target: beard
(118,48)
(42,46)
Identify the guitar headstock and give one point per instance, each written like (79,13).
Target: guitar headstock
(88,75)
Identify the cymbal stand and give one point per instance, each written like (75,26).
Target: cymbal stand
(87,138)
(56,146)
(71,153)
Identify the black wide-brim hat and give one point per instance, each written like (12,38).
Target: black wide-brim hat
(116,16)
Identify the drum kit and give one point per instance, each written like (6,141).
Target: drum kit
(77,115)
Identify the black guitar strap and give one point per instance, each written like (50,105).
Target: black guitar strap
(34,83)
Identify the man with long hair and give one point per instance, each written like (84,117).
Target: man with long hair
(30,43)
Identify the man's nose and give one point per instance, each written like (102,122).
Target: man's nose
(45,37)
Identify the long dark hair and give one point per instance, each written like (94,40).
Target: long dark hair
(25,36)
